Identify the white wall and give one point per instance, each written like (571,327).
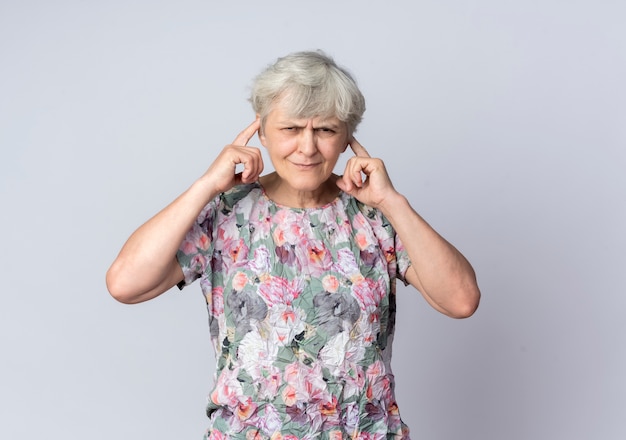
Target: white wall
(503,122)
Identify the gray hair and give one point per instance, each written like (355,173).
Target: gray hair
(309,84)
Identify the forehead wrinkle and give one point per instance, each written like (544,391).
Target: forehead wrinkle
(326,122)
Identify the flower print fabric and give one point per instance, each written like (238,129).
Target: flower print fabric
(301,313)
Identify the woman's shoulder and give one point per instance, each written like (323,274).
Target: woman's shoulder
(355,206)
(373,216)
(224,203)
(240,193)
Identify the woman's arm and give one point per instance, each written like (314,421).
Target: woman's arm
(438,270)
(147,266)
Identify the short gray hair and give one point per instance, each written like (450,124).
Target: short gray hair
(310,84)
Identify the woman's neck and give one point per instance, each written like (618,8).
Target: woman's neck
(280,192)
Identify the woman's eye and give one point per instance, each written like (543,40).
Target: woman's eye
(326,131)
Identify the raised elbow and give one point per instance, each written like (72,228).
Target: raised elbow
(116,288)
(467,304)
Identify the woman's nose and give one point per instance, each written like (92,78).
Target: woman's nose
(306,143)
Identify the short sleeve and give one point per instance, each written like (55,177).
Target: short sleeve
(397,257)
(194,253)
(402,260)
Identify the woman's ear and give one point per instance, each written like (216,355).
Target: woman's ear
(261,132)
(347,144)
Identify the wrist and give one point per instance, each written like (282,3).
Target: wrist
(393,203)
(204,189)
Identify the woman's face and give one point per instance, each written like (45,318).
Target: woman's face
(303,151)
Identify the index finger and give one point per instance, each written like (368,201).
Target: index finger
(358,149)
(244,137)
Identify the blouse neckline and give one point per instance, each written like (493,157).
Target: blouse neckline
(278,205)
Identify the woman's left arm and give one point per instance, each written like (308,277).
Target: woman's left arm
(438,270)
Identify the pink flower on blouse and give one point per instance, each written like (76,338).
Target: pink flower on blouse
(278,290)
(345,263)
(371,436)
(188,247)
(203,242)
(330,283)
(343,229)
(289,395)
(254,434)
(292,373)
(320,259)
(228,390)
(360,221)
(375,370)
(263,225)
(216,435)
(351,418)
(362,240)
(239,281)
(354,382)
(308,383)
(329,411)
(335,435)
(284,216)
(217,301)
(196,239)
(198,263)
(234,254)
(287,227)
(246,408)
(260,264)
(270,382)
(271,421)
(279,237)
(379,387)
(285,322)
(368,293)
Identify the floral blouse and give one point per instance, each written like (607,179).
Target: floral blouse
(301,313)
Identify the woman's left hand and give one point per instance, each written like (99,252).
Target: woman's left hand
(377,186)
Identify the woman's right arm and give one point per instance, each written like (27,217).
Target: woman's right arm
(147,265)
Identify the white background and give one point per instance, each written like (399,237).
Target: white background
(504,123)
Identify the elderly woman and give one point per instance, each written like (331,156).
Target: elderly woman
(298,266)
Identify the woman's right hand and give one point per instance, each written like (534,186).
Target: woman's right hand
(147,265)
(222,175)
